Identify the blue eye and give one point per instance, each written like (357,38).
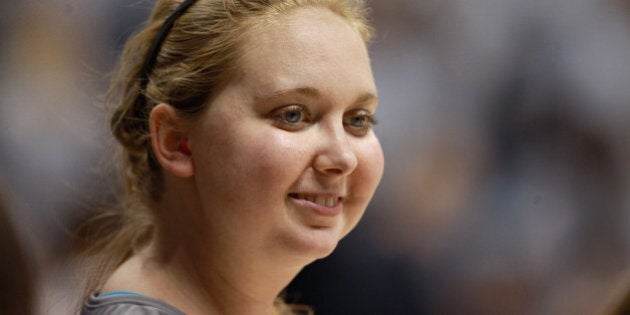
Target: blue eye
(359,123)
(292,117)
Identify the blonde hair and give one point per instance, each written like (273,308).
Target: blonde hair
(199,56)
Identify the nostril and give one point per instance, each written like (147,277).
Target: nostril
(335,171)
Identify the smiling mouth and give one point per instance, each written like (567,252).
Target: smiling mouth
(320,200)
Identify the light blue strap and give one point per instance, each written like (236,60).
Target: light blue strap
(114,293)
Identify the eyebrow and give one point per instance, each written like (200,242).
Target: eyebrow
(366,98)
(315,93)
(307,91)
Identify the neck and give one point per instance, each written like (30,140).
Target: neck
(202,272)
(198,284)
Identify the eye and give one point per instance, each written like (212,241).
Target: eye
(359,122)
(291,117)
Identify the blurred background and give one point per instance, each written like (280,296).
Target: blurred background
(505,126)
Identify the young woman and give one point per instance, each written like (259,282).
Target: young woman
(246,128)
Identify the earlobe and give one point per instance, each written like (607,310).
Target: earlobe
(170,141)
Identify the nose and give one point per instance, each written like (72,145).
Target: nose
(336,157)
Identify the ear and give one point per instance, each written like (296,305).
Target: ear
(168,132)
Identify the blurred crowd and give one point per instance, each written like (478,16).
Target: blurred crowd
(505,126)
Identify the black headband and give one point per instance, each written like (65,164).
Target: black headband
(156,46)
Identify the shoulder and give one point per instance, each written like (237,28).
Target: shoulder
(127,304)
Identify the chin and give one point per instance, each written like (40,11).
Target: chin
(316,243)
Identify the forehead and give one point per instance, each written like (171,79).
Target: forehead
(306,47)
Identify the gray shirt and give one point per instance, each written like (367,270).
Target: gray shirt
(127,304)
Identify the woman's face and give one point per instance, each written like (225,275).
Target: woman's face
(285,158)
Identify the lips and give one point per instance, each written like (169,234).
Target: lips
(326,205)
(325,201)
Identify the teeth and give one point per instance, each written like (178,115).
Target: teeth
(326,202)
(322,201)
(330,202)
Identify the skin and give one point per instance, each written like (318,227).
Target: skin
(290,133)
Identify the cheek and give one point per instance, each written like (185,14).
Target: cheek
(364,181)
(255,163)
(370,167)
(272,161)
